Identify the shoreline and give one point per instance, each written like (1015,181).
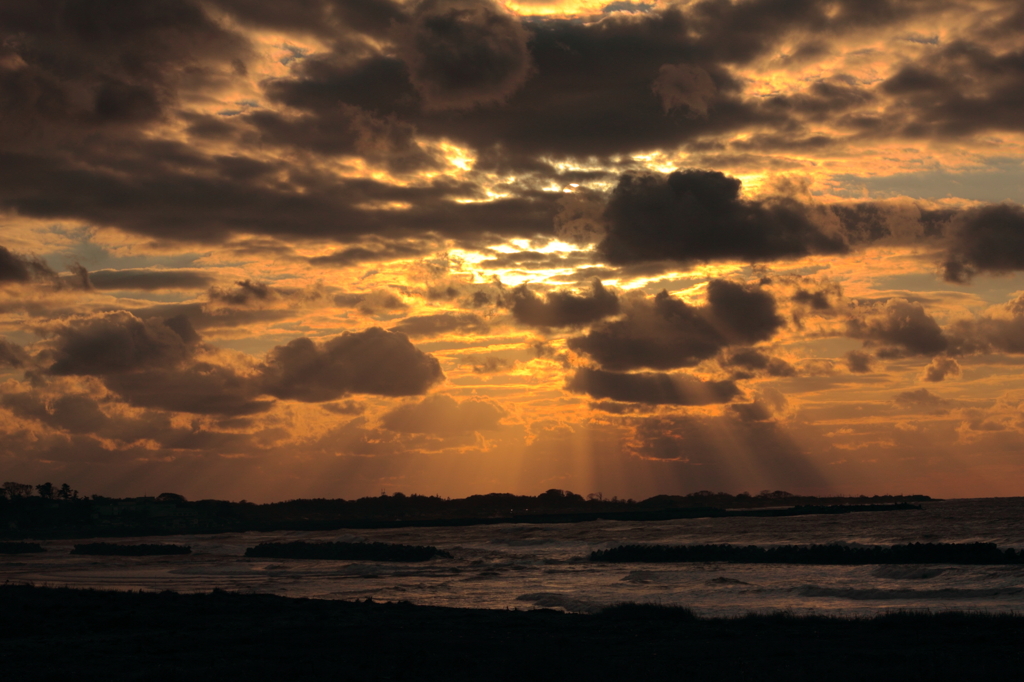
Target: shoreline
(50,632)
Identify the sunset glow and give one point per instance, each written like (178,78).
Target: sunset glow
(264,251)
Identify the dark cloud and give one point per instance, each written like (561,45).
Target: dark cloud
(901,327)
(987,333)
(170,191)
(817,300)
(326,18)
(667,333)
(442,323)
(354,255)
(697,215)
(752,359)
(201,388)
(149,280)
(590,91)
(463,53)
(90,64)
(651,387)
(346,130)
(373,303)
(374,361)
(562,308)
(112,343)
(15,268)
(75,413)
(958,88)
(489,364)
(922,399)
(941,367)
(858,361)
(752,412)
(244,293)
(12,355)
(744,314)
(986,239)
(205,316)
(257,295)
(441,415)
(824,100)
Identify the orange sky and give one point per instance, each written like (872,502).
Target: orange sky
(318,249)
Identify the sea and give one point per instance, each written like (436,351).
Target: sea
(527,566)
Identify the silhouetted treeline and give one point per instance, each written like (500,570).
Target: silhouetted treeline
(20,548)
(351,551)
(839,555)
(64,514)
(111,549)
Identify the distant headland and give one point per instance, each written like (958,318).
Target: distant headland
(46,511)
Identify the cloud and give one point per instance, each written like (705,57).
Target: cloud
(128,63)
(941,367)
(1003,332)
(326,19)
(201,388)
(958,88)
(756,360)
(923,400)
(116,342)
(697,215)
(441,415)
(667,333)
(374,361)
(373,303)
(149,280)
(562,308)
(15,268)
(354,255)
(75,413)
(12,355)
(817,300)
(858,361)
(244,293)
(986,239)
(900,324)
(442,323)
(463,53)
(683,85)
(651,387)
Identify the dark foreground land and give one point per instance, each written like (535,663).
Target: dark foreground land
(60,634)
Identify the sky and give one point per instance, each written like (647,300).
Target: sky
(329,248)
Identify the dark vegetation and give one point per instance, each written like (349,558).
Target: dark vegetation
(59,512)
(915,553)
(352,551)
(110,549)
(226,636)
(20,548)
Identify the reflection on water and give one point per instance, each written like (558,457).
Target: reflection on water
(527,566)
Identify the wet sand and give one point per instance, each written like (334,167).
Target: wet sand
(59,633)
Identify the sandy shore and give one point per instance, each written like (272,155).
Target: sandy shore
(51,634)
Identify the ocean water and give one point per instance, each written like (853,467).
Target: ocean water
(545,566)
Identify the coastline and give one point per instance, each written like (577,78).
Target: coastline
(51,633)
